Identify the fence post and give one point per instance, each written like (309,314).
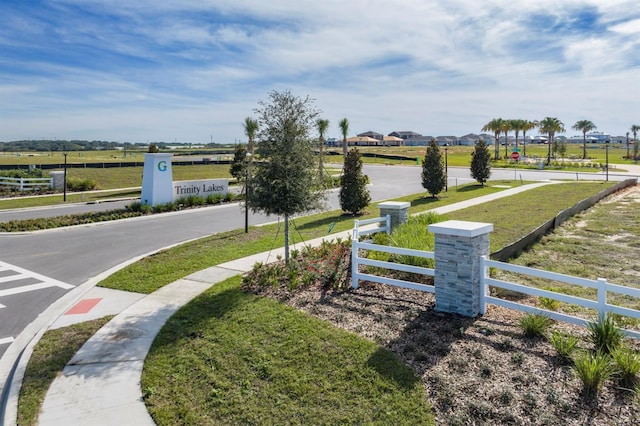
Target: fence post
(602,298)
(354,256)
(484,271)
(398,210)
(21,184)
(459,247)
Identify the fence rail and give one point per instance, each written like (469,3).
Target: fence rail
(26,184)
(600,285)
(356,260)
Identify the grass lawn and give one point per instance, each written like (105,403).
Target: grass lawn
(50,355)
(229,357)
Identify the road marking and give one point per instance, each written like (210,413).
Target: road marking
(83,306)
(21,274)
(6,340)
(13,278)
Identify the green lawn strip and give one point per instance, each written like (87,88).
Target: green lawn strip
(166,266)
(56,199)
(110,178)
(50,355)
(514,217)
(229,357)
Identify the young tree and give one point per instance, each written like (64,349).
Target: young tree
(238,168)
(354,196)
(433,177)
(344,129)
(153,148)
(284,183)
(481,162)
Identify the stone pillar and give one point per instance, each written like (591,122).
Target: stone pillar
(458,248)
(398,210)
(58,180)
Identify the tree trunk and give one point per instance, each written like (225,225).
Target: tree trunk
(344,148)
(321,164)
(286,238)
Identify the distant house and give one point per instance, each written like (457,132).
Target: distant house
(405,135)
(469,139)
(392,141)
(447,140)
(418,141)
(371,134)
(363,141)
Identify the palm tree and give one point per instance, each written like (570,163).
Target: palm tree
(322,126)
(528,125)
(516,126)
(584,126)
(250,129)
(551,126)
(344,128)
(506,127)
(495,126)
(634,129)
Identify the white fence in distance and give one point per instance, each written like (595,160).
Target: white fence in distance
(600,305)
(26,184)
(356,260)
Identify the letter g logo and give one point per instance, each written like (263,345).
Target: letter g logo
(162,166)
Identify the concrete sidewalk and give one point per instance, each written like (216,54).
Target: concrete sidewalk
(101,384)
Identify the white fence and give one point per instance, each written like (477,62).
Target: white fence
(356,260)
(601,285)
(600,305)
(26,184)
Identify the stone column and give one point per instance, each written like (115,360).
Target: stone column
(398,210)
(58,180)
(458,248)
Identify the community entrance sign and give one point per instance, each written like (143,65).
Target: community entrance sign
(157,179)
(158,186)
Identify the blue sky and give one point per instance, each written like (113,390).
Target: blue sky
(191,71)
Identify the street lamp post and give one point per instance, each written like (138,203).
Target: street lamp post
(606,166)
(246,193)
(446,168)
(64,196)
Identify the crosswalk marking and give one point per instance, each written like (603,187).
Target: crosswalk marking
(20,274)
(14,277)
(6,340)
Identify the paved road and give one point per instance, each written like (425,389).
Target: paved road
(63,258)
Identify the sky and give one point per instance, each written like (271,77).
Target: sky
(191,71)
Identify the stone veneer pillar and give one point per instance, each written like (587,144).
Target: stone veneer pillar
(398,210)
(458,248)
(58,180)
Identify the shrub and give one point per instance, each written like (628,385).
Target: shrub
(214,198)
(77,184)
(627,363)
(564,344)
(137,206)
(535,325)
(548,303)
(593,370)
(605,335)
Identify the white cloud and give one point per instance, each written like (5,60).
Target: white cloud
(124,69)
